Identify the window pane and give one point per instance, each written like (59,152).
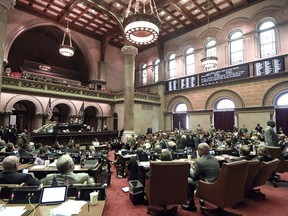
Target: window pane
(172,66)
(144,74)
(156,70)
(181,108)
(282,100)
(189,61)
(267,39)
(225,104)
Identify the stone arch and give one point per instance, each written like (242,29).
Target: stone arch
(177,100)
(224,94)
(17,98)
(38,23)
(95,105)
(73,110)
(269,98)
(187,42)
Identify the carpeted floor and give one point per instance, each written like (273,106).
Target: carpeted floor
(118,203)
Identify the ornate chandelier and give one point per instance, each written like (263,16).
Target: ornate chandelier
(142,28)
(210,61)
(66,49)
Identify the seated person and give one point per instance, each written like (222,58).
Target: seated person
(132,166)
(263,154)
(244,154)
(166,156)
(65,166)
(10,174)
(9,149)
(205,168)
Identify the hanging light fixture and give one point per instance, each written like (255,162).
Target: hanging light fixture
(209,62)
(66,49)
(142,28)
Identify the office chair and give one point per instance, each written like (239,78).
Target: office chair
(228,190)
(276,152)
(166,185)
(264,172)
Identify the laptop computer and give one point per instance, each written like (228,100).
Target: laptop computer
(53,195)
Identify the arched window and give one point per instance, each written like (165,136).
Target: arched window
(282,100)
(225,104)
(189,61)
(156,69)
(267,39)
(236,48)
(181,108)
(143,74)
(172,66)
(210,48)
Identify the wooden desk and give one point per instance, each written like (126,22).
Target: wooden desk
(27,206)
(96,210)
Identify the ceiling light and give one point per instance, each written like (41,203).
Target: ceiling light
(142,28)
(67,49)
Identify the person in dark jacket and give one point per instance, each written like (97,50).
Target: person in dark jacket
(10,174)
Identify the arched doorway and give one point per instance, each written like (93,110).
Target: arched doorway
(90,117)
(61,113)
(281,111)
(180,119)
(23,115)
(224,114)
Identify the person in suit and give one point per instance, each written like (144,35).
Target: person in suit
(205,168)
(66,176)
(10,174)
(270,136)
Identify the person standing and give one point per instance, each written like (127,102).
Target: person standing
(206,168)
(270,136)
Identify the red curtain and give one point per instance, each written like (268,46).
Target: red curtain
(224,120)
(282,120)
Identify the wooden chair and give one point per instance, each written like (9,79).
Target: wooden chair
(264,172)
(166,185)
(276,152)
(228,190)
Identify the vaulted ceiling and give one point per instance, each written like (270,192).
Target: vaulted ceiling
(102,19)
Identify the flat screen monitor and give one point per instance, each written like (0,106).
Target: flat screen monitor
(53,195)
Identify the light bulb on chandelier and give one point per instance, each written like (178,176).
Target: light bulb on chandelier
(142,28)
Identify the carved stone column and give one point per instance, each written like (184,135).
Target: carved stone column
(5,6)
(129,52)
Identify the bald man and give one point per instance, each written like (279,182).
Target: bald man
(65,166)
(10,174)
(205,168)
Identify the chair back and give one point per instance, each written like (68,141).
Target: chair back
(265,171)
(5,190)
(252,171)
(276,152)
(229,188)
(167,182)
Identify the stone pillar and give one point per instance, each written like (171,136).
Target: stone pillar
(161,90)
(102,70)
(129,52)
(5,6)
(38,121)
